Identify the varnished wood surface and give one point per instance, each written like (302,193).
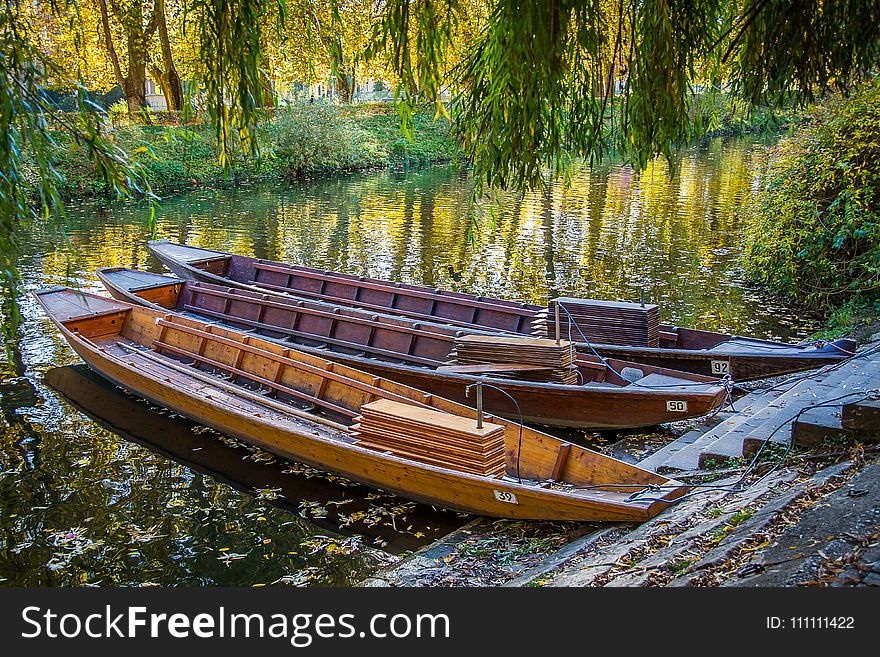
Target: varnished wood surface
(415,353)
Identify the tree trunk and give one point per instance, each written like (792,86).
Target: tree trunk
(136,85)
(268,92)
(169,80)
(131,18)
(136,81)
(171,88)
(344,88)
(108,42)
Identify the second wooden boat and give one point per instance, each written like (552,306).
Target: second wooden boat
(418,354)
(304,408)
(702,352)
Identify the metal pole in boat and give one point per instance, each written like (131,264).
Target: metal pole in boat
(479,404)
(557,321)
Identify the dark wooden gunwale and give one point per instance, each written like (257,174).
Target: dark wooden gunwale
(530,319)
(610,406)
(100,345)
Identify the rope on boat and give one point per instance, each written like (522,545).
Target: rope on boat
(737,486)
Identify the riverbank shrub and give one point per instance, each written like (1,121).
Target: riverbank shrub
(313,137)
(724,115)
(814,233)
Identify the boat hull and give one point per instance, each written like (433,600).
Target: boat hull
(460,492)
(575,407)
(590,406)
(740,367)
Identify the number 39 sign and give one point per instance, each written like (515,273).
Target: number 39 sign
(505,496)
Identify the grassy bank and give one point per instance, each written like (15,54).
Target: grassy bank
(320,138)
(304,139)
(814,233)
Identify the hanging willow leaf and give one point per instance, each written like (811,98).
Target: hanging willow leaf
(231,83)
(549,80)
(32,130)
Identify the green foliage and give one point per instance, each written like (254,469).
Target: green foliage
(118,112)
(857,317)
(783,49)
(815,232)
(550,80)
(680,565)
(304,138)
(30,130)
(416,36)
(430,138)
(231,73)
(726,115)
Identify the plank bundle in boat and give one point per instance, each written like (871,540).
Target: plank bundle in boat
(431,437)
(554,363)
(607,322)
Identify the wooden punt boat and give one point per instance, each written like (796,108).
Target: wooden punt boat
(417,354)
(303,408)
(702,352)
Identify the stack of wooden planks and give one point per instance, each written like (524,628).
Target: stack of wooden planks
(432,437)
(607,322)
(549,362)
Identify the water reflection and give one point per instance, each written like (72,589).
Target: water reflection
(95,507)
(81,504)
(610,233)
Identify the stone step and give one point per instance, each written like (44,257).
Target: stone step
(660,458)
(726,439)
(586,566)
(744,439)
(762,416)
(778,500)
(859,379)
(863,415)
(684,453)
(769,423)
(825,423)
(831,529)
(677,550)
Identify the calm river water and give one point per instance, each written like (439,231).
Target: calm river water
(97,487)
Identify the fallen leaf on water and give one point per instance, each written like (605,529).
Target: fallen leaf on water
(268,493)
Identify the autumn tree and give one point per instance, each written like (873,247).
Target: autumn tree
(135,23)
(345,31)
(312,40)
(30,131)
(538,86)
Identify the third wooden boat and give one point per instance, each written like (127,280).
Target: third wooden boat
(702,352)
